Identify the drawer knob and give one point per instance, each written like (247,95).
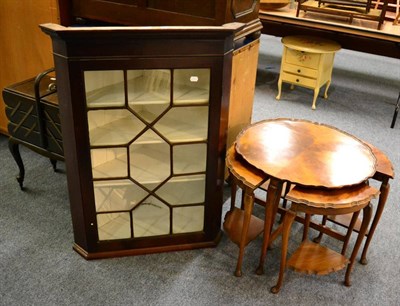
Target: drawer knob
(298,70)
(297,80)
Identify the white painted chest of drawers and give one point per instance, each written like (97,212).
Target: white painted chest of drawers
(308,62)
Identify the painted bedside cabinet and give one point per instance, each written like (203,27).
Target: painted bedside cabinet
(308,62)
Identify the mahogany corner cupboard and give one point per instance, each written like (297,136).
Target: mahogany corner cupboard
(144,117)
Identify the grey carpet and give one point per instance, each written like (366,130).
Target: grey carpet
(39,267)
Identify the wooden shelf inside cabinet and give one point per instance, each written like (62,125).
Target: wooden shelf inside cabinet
(145,134)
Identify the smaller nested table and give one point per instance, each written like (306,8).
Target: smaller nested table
(307,61)
(312,258)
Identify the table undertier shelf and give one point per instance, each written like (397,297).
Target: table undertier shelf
(312,258)
(233,226)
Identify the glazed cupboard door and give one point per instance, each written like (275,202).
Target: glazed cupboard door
(144,135)
(148,134)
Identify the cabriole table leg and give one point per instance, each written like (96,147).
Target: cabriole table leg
(14,149)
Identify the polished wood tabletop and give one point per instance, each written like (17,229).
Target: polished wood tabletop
(306,153)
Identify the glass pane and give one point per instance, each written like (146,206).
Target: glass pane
(110,162)
(189,158)
(183,190)
(150,112)
(191,86)
(151,218)
(104,88)
(150,159)
(113,226)
(113,126)
(117,195)
(184,124)
(188,219)
(149,92)
(148,86)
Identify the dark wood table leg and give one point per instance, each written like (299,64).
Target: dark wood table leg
(14,149)
(396,111)
(53,164)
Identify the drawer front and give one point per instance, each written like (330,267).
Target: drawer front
(21,112)
(21,119)
(29,120)
(54,145)
(19,102)
(51,117)
(299,80)
(304,59)
(29,133)
(23,133)
(302,71)
(24,124)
